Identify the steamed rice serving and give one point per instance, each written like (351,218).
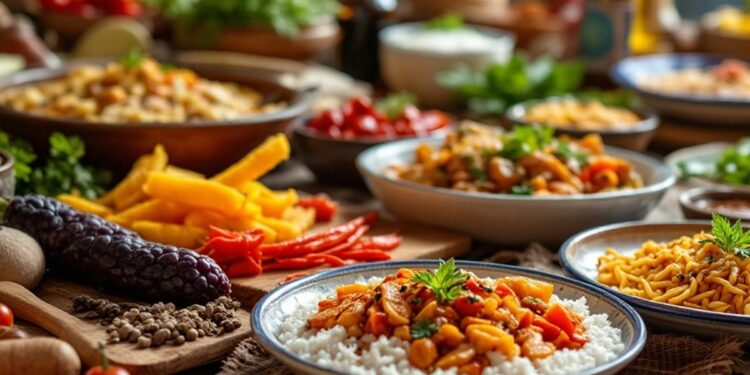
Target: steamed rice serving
(527,330)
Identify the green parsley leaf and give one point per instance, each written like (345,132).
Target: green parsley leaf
(445,283)
(524,140)
(448,21)
(423,329)
(732,167)
(521,190)
(566,152)
(393,105)
(732,239)
(133,59)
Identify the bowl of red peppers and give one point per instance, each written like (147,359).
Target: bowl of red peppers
(329,142)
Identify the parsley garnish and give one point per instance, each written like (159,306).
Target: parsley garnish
(448,21)
(524,140)
(732,239)
(133,59)
(394,104)
(564,151)
(423,329)
(521,190)
(446,282)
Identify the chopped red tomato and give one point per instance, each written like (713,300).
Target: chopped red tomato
(468,305)
(558,316)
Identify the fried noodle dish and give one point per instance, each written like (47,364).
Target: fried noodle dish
(525,161)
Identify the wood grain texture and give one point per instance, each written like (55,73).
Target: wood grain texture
(48,308)
(420,242)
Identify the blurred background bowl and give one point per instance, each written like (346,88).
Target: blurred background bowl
(416,69)
(636,137)
(203,146)
(699,203)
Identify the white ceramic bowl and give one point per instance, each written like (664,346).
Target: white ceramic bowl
(269,312)
(504,218)
(706,155)
(415,69)
(580,254)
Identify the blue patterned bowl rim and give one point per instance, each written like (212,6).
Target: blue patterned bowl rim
(629,353)
(622,73)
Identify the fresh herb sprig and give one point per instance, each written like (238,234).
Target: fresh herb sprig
(61,172)
(524,140)
(446,283)
(493,90)
(423,329)
(732,167)
(732,239)
(133,59)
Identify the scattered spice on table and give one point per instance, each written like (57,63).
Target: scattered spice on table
(160,323)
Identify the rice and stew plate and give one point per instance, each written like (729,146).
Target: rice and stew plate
(296,324)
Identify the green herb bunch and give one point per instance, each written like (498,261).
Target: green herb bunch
(61,172)
(446,282)
(492,91)
(732,167)
(285,16)
(423,329)
(732,239)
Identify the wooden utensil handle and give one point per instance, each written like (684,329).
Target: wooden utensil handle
(29,307)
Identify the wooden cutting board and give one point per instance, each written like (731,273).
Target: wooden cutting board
(48,307)
(420,242)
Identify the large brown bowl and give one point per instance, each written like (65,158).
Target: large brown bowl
(205,146)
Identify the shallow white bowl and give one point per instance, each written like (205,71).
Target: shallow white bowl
(269,312)
(504,218)
(416,70)
(580,254)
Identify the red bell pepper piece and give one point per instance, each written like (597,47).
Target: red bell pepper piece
(557,315)
(371,255)
(325,208)
(246,267)
(384,242)
(549,331)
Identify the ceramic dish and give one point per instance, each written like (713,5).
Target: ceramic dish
(504,218)
(635,137)
(269,311)
(414,69)
(699,203)
(628,72)
(707,155)
(579,256)
(204,146)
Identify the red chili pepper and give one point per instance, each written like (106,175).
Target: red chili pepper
(294,264)
(325,208)
(476,288)
(332,260)
(347,245)
(503,290)
(249,266)
(365,255)
(227,246)
(384,242)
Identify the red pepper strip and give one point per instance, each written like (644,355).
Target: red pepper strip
(279,248)
(333,237)
(294,276)
(294,264)
(332,260)
(347,245)
(232,246)
(384,242)
(221,232)
(325,208)
(245,267)
(367,255)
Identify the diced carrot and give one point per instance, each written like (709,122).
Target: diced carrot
(557,315)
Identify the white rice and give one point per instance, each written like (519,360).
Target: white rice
(388,356)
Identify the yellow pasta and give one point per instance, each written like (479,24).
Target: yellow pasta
(683,272)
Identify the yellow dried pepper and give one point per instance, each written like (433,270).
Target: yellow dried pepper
(170,234)
(153,210)
(195,192)
(85,205)
(129,191)
(258,162)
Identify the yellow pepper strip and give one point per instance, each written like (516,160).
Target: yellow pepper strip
(170,234)
(154,210)
(269,233)
(284,230)
(177,171)
(195,192)
(85,205)
(302,218)
(207,218)
(258,162)
(274,204)
(129,191)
